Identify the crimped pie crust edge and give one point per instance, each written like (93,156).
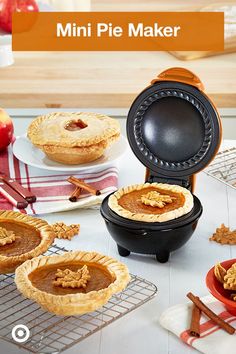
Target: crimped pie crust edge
(72,304)
(170,215)
(113,128)
(8,264)
(102,145)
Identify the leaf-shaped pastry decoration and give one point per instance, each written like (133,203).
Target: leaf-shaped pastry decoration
(155,199)
(224,235)
(69,279)
(6,237)
(230,278)
(219,272)
(65,231)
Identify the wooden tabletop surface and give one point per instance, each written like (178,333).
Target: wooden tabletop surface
(104,79)
(153,5)
(109,79)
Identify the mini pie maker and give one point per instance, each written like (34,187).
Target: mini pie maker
(174,129)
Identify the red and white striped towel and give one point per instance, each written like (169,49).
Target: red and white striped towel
(213,340)
(51,188)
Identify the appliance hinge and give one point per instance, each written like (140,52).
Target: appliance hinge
(183,182)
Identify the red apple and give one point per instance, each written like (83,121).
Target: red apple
(6,129)
(7,7)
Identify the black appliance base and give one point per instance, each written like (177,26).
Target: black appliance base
(159,239)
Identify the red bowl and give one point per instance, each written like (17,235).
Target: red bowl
(217,290)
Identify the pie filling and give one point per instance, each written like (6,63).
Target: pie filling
(26,239)
(134,201)
(44,278)
(74,125)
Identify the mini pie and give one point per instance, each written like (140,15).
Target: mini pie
(73,138)
(73,283)
(22,237)
(155,202)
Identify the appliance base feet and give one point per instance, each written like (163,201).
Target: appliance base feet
(123,251)
(162,256)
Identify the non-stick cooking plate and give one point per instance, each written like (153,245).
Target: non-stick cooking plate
(173,129)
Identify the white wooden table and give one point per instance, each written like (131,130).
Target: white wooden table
(139,331)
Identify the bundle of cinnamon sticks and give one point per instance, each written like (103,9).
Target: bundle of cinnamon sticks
(79,186)
(198,307)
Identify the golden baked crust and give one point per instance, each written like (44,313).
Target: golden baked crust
(6,237)
(220,273)
(50,134)
(230,278)
(113,203)
(69,279)
(77,155)
(66,232)
(50,129)
(72,304)
(224,235)
(8,264)
(226,277)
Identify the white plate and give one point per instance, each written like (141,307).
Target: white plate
(26,152)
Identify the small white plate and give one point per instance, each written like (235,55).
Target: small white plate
(26,152)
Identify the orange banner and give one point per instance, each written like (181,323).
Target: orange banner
(118,31)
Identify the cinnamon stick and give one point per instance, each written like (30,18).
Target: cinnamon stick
(79,183)
(195,322)
(75,195)
(221,323)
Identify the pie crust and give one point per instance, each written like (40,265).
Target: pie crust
(70,303)
(182,202)
(87,142)
(14,254)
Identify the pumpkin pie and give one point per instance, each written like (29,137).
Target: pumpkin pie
(151,202)
(73,283)
(73,138)
(22,237)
